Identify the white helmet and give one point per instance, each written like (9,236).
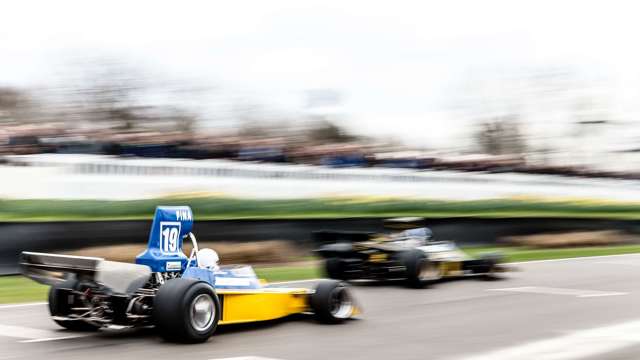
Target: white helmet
(208,259)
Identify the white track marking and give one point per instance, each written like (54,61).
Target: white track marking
(578,345)
(34,335)
(11,306)
(53,338)
(560,291)
(579,258)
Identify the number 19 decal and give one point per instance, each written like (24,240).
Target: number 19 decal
(169,233)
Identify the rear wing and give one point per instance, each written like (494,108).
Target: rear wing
(51,269)
(323,237)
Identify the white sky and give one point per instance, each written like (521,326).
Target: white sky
(400,65)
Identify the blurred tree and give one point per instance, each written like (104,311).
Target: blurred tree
(182,119)
(501,136)
(328,132)
(16,105)
(112,92)
(251,117)
(121,96)
(104,90)
(529,110)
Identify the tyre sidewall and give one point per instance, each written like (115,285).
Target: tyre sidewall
(413,262)
(320,301)
(59,306)
(172,310)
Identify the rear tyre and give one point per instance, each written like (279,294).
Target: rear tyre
(419,271)
(186,310)
(332,302)
(334,267)
(61,300)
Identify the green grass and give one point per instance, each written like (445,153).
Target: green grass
(287,273)
(16,289)
(214,208)
(520,253)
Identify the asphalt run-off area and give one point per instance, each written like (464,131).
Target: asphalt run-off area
(584,308)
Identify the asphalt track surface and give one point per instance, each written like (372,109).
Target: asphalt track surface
(571,309)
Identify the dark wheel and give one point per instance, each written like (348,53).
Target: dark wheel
(61,300)
(334,268)
(490,266)
(419,271)
(186,310)
(332,302)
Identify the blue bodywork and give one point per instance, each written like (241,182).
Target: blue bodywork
(226,277)
(164,251)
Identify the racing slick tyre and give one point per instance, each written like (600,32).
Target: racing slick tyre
(186,310)
(332,302)
(61,300)
(491,264)
(419,270)
(334,268)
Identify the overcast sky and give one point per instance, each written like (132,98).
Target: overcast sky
(400,65)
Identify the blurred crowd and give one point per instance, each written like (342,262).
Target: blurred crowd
(322,144)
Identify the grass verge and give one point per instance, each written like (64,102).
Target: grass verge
(218,208)
(16,289)
(287,273)
(521,253)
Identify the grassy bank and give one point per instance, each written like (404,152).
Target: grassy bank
(15,289)
(213,208)
(521,253)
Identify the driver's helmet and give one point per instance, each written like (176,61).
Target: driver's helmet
(416,237)
(208,259)
(424,234)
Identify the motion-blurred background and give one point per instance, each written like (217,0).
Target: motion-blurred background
(493,119)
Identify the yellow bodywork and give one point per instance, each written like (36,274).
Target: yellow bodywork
(379,257)
(241,306)
(451,268)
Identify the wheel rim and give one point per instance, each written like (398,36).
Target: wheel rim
(341,305)
(429,271)
(202,312)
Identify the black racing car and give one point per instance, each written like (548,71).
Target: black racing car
(408,253)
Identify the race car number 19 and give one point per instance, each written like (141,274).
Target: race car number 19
(169,232)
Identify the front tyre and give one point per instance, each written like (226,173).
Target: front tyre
(186,310)
(332,302)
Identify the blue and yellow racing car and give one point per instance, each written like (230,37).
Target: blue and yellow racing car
(184,297)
